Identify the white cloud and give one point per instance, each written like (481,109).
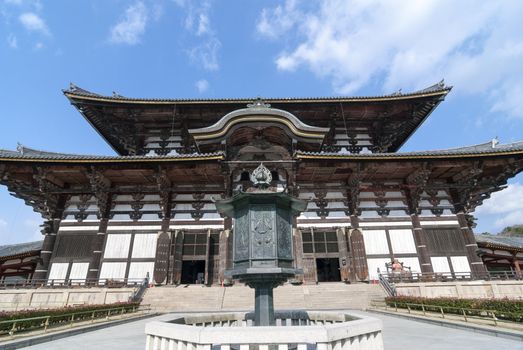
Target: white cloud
(274,22)
(131,26)
(12,41)
(33,22)
(198,23)
(477,46)
(505,206)
(206,54)
(202,85)
(39,45)
(203,24)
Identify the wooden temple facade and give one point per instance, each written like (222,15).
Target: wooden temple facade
(149,210)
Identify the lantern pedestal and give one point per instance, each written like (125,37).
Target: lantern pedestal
(263,281)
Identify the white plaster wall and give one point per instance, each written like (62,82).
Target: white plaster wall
(113,270)
(79,271)
(374,265)
(460,264)
(413,263)
(117,246)
(144,245)
(402,241)
(440,264)
(375,242)
(58,271)
(139,270)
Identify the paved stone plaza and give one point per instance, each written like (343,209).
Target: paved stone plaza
(398,334)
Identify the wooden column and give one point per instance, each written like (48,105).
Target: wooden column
(50,231)
(207,258)
(223,254)
(477,268)
(343,254)
(97,250)
(421,245)
(298,252)
(517,268)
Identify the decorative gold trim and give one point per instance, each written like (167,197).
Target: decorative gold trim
(358,157)
(255,118)
(116,160)
(276,100)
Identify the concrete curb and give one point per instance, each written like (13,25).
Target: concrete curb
(501,333)
(44,338)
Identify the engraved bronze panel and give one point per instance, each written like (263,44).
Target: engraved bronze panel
(241,235)
(284,234)
(263,231)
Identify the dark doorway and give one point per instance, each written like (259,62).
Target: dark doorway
(328,270)
(193,272)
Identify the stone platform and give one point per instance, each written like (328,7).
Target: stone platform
(299,330)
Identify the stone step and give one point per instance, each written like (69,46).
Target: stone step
(239,297)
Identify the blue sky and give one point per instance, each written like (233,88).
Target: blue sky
(237,48)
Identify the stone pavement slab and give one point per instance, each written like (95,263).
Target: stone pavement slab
(398,334)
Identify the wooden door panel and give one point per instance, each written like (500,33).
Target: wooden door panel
(162,258)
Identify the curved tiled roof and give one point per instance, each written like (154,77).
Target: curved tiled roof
(501,241)
(483,149)
(29,154)
(436,89)
(20,248)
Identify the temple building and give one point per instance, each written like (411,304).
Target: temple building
(501,253)
(18,261)
(149,209)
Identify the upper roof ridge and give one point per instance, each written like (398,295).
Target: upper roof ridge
(435,88)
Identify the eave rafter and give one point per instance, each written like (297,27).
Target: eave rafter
(415,184)
(163,184)
(353,187)
(50,206)
(100,187)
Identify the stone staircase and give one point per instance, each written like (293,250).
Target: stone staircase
(323,296)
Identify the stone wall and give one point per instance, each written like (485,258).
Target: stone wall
(465,289)
(44,298)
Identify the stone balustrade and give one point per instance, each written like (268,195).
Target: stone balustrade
(310,330)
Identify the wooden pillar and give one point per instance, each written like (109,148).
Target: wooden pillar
(517,268)
(477,268)
(298,252)
(207,258)
(51,230)
(421,245)
(343,254)
(223,254)
(97,250)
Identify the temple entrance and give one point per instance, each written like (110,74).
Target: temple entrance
(193,272)
(328,270)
